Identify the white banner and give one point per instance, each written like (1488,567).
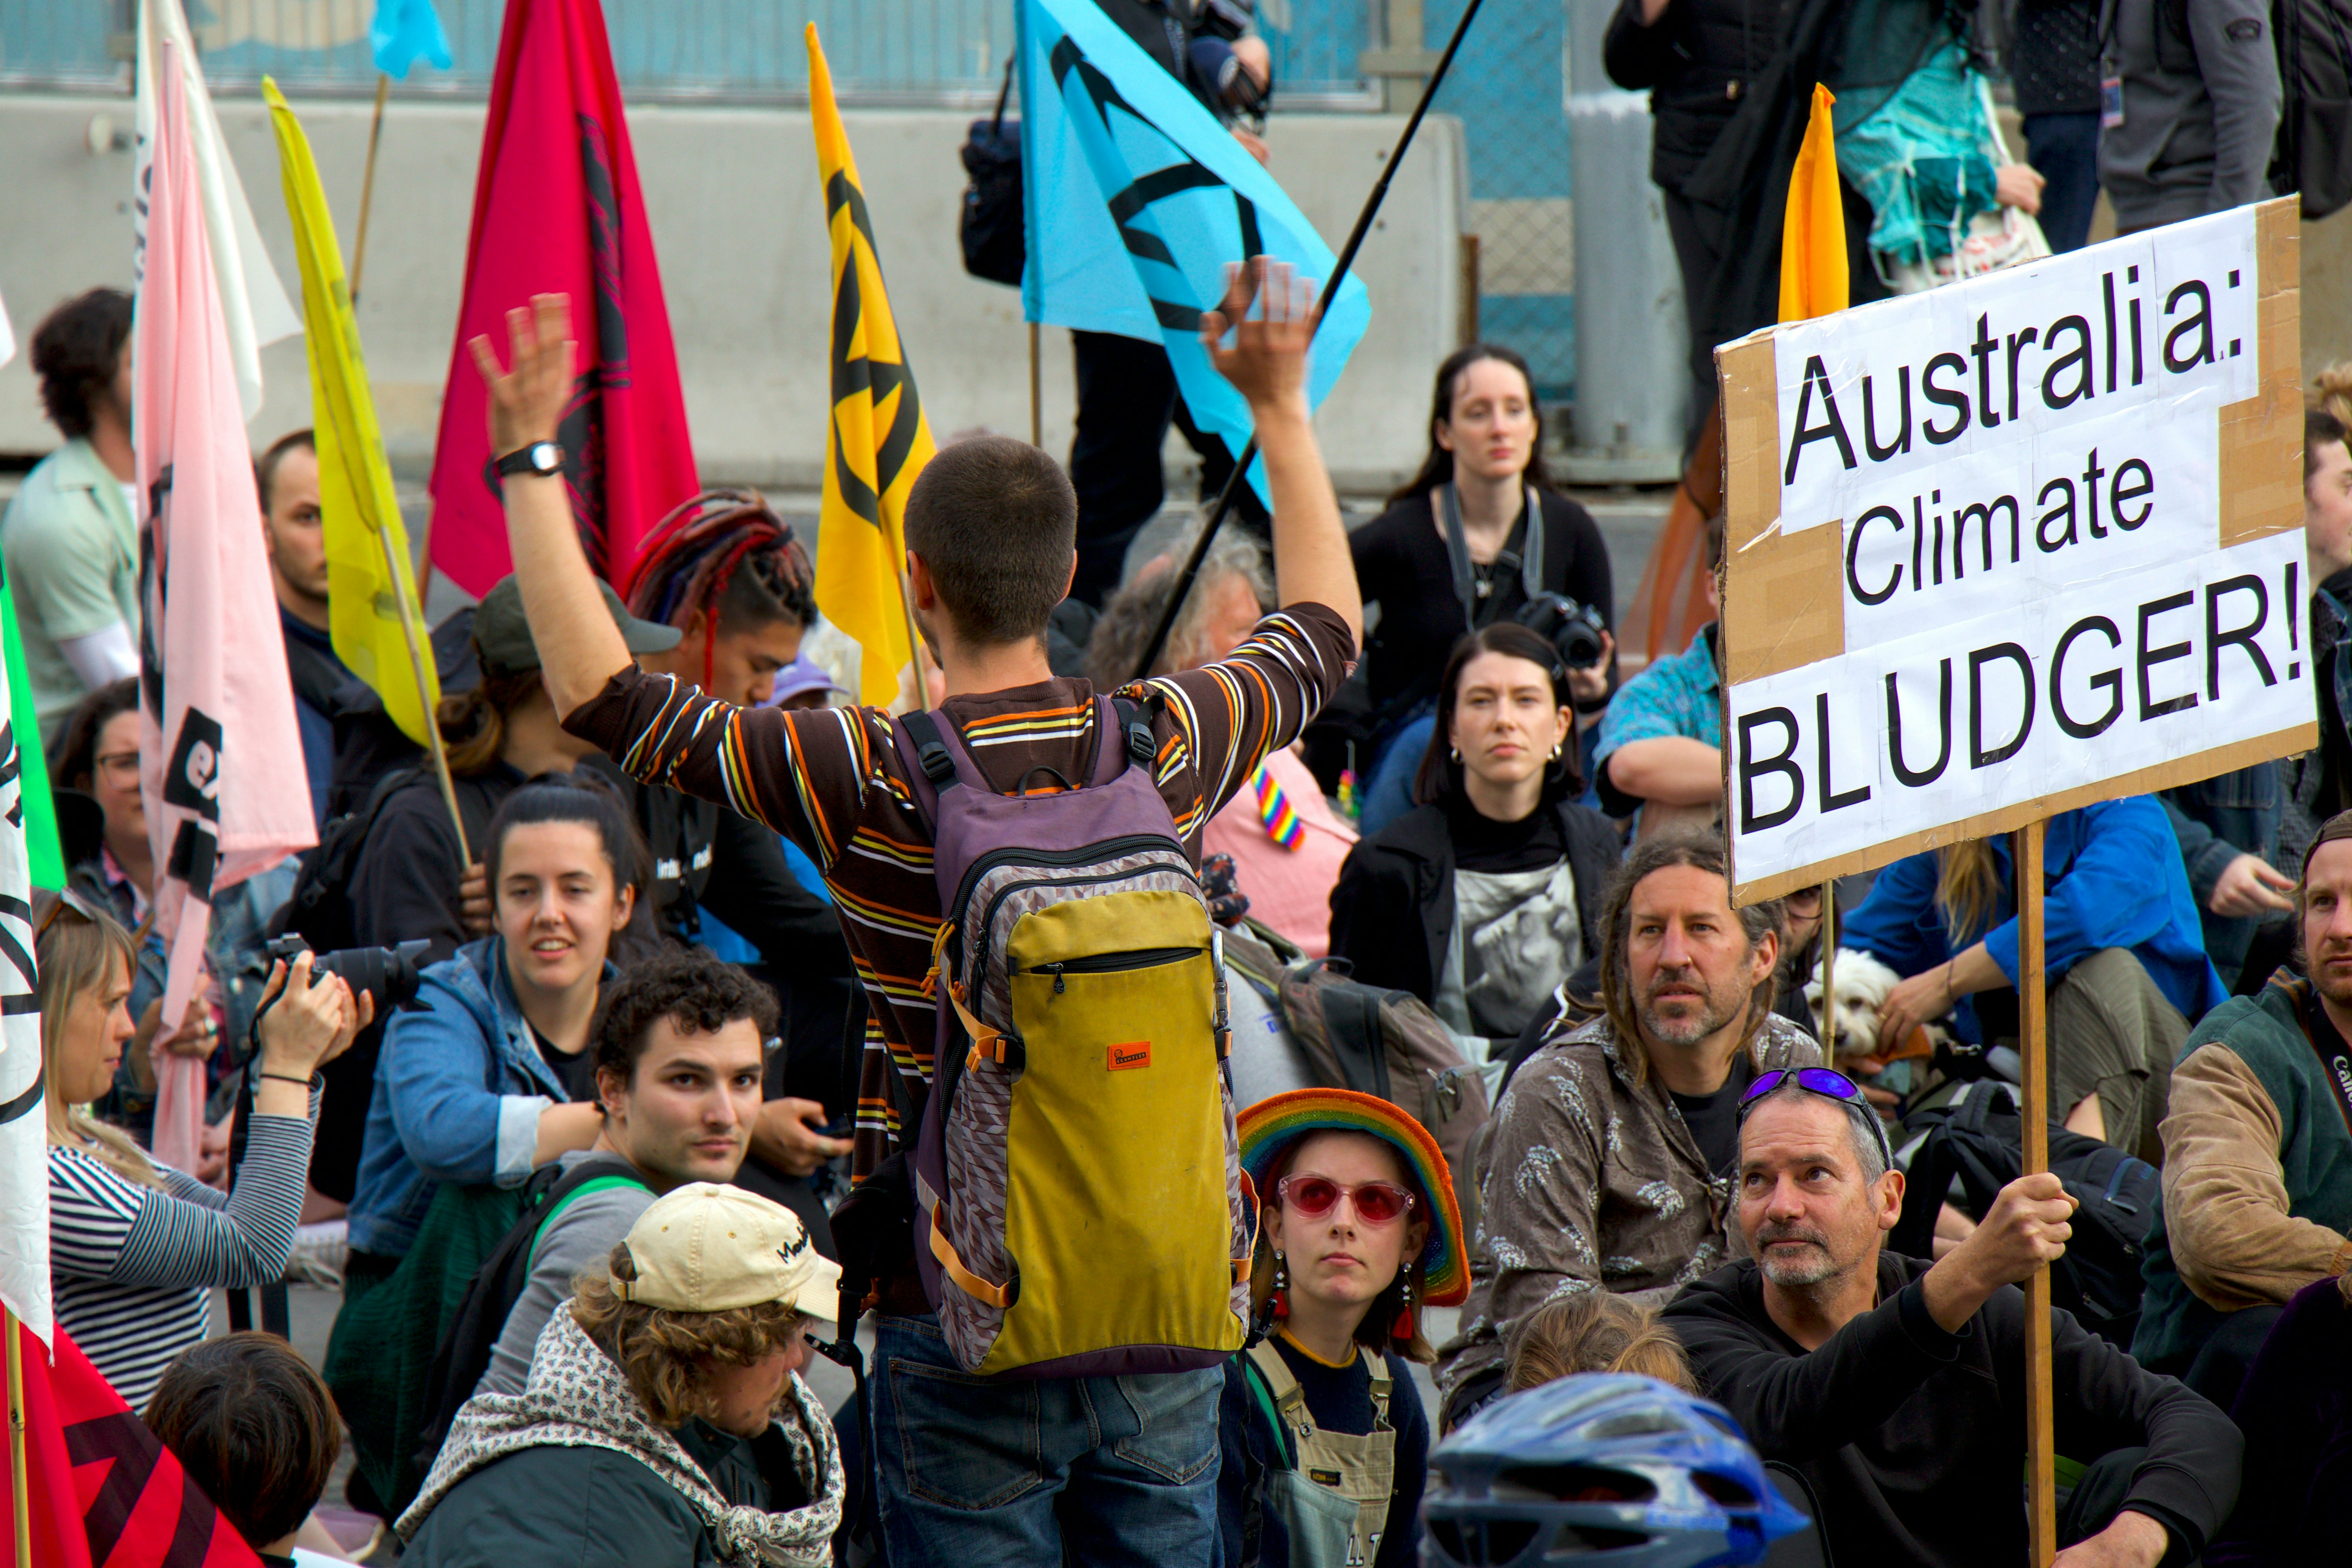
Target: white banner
(2028,599)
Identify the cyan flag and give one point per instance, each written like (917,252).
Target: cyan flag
(405,31)
(1134,201)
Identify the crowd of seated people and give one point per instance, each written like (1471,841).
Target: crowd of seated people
(1675,1182)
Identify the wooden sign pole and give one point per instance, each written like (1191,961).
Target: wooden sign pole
(1829,977)
(2041,1485)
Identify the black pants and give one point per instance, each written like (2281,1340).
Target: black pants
(1126,396)
(2064,150)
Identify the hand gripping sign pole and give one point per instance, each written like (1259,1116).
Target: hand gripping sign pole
(2008,550)
(1330,292)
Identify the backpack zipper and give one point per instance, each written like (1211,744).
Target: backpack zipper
(1111,962)
(988,916)
(1127,844)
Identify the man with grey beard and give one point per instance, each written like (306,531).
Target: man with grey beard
(1898,1388)
(1609,1163)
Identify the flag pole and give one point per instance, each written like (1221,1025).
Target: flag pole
(1331,287)
(367,189)
(416,656)
(20,1498)
(2041,1486)
(1036,401)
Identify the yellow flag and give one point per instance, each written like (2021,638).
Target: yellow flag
(372,603)
(1812,233)
(878,440)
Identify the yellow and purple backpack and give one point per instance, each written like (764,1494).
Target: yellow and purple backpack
(1080,1204)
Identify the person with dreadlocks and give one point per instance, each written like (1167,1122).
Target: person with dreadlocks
(727,572)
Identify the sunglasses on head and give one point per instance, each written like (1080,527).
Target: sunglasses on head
(67,900)
(1312,1197)
(1829,1084)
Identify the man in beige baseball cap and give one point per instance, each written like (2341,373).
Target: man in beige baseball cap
(684,1358)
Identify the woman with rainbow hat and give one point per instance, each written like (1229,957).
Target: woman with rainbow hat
(1326,1444)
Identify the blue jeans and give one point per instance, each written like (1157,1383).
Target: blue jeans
(982,1472)
(2064,150)
(1387,793)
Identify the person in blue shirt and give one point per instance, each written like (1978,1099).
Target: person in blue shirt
(2121,950)
(1660,751)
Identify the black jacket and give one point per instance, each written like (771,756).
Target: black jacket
(1914,1439)
(593,1507)
(1392,908)
(1698,59)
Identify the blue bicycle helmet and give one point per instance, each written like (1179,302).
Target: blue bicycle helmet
(1606,1469)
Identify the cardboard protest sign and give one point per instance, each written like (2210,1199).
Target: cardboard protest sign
(2013,546)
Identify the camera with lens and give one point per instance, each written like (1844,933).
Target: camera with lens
(1574,630)
(391,975)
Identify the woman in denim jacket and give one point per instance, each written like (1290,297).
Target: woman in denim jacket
(490,1075)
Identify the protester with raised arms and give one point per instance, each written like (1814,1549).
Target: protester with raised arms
(1487,895)
(1325,1441)
(1105,1469)
(137,1248)
(1520,537)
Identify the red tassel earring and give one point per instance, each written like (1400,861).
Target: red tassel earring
(1402,1328)
(1281,1290)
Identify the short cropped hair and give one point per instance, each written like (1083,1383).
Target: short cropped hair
(996,523)
(694,989)
(254,1427)
(1868,1157)
(265,466)
(75,351)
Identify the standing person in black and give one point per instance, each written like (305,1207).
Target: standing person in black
(1484,899)
(2054,66)
(1704,63)
(1485,464)
(1126,390)
(287,478)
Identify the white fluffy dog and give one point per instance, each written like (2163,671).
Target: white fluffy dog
(1863,984)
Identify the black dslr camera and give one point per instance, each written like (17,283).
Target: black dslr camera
(391,975)
(1573,628)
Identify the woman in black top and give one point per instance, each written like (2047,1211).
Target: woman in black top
(1485,434)
(1483,899)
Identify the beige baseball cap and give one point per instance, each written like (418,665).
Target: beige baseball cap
(703,1248)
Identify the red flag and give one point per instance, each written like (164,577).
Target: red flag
(557,211)
(105,1492)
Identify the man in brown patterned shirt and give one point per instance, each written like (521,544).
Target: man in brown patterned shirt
(973,1472)
(1609,1163)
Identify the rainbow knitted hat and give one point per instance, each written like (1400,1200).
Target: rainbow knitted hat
(1274,1125)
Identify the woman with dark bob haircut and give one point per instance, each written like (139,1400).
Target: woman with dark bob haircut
(1483,898)
(257,1431)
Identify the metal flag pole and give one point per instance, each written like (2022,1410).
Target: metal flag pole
(367,184)
(1331,287)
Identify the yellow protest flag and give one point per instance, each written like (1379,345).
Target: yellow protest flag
(1813,279)
(877,440)
(371,605)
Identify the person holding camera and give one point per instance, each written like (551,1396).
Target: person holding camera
(1477,538)
(136,1249)
(1484,898)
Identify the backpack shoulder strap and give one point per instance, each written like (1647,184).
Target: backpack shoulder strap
(931,753)
(559,1198)
(1457,552)
(1131,722)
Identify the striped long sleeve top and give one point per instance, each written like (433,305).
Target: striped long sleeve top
(830,780)
(134,1267)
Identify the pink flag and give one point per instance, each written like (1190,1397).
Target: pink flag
(557,211)
(219,756)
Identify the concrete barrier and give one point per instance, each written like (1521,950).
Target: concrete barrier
(731,193)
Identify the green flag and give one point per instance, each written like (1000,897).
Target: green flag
(48,861)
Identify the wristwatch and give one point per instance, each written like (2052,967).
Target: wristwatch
(544,459)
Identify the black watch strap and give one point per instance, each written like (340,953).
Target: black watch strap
(543,458)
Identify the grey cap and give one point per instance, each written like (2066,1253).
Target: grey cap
(504,636)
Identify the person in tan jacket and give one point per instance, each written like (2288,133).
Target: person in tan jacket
(2258,1149)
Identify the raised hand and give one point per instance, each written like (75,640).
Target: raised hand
(1266,361)
(527,402)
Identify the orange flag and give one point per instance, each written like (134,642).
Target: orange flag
(1813,232)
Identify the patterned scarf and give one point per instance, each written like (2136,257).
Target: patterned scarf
(577,1398)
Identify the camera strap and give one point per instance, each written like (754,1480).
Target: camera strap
(1528,557)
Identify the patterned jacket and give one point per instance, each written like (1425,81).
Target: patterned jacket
(1588,1181)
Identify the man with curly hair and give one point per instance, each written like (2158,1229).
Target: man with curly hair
(665,1420)
(679,1050)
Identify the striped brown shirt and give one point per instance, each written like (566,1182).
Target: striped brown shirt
(832,780)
